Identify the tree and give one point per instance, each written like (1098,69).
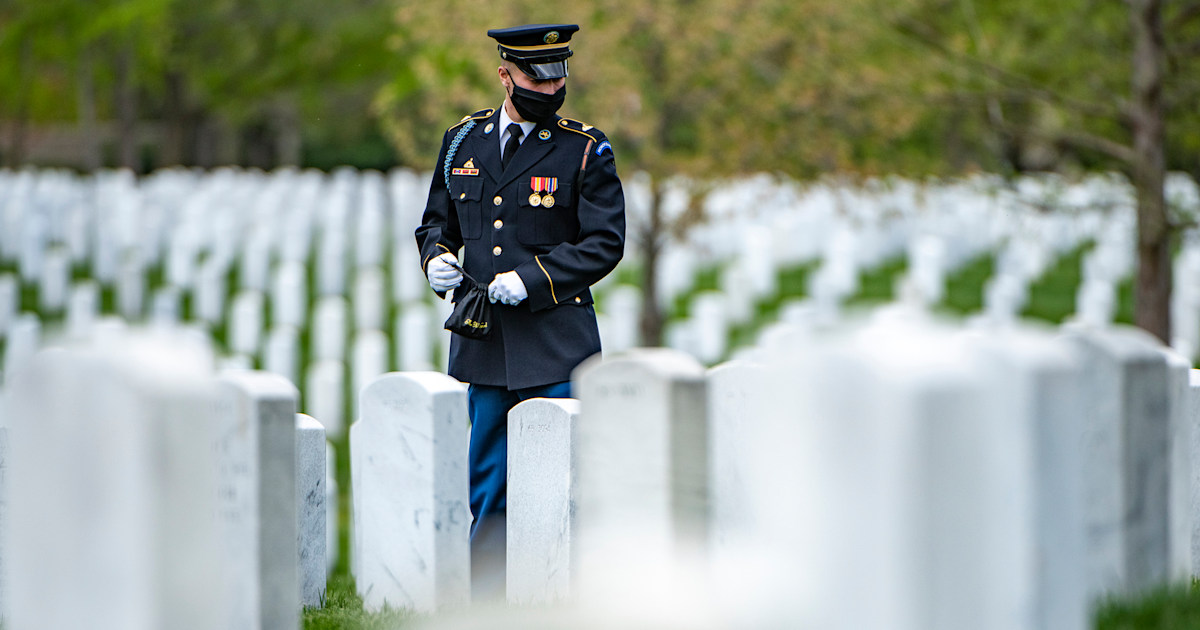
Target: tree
(1098,82)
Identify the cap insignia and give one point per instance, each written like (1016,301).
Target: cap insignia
(551,37)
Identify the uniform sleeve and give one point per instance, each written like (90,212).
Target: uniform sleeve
(572,267)
(439,231)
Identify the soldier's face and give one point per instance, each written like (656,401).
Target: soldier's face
(546,86)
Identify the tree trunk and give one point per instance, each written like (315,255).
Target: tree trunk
(650,242)
(88,130)
(175,126)
(16,141)
(126,99)
(1152,293)
(288,140)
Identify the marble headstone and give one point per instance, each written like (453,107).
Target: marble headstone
(540,501)
(642,466)
(312,504)
(411,508)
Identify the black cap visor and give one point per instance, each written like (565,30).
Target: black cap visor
(542,70)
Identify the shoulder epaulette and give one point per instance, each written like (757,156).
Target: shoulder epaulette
(580,128)
(483,113)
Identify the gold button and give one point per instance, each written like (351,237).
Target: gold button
(462,196)
(496,251)
(497,200)
(499,224)
(578,300)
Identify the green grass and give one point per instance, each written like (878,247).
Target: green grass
(878,285)
(1052,297)
(964,287)
(344,611)
(1169,608)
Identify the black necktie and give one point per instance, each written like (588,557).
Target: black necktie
(514,142)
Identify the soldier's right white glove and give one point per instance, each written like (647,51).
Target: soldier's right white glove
(442,274)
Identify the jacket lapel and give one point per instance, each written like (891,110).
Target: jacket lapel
(483,147)
(532,150)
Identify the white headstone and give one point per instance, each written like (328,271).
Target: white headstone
(256,260)
(1127,460)
(411,507)
(83,309)
(259,497)
(329,329)
(1180,481)
(415,343)
(331,509)
(737,395)
(165,307)
(331,261)
(312,504)
(622,306)
(282,353)
(540,500)
(112,500)
(289,304)
(246,323)
(370,299)
(56,273)
(369,361)
(131,289)
(643,453)
(209,303)
(24,339)
(9,301)
(1193,414)
(325,395)
(1044,377)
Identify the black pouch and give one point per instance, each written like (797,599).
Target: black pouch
(472,315)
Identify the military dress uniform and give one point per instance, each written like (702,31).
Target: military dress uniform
(556,216)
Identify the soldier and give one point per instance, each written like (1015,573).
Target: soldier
(534,203)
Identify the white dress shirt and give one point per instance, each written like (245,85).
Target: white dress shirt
(526,128)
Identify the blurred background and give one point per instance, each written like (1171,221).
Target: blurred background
(703,87)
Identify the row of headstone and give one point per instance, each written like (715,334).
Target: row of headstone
(144,489)
(202,226)
(272,227)
(893,473)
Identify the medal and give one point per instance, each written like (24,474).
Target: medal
(541,185)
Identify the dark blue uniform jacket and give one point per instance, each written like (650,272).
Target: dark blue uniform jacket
(558,251)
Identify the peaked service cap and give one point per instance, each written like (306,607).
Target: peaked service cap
(539,50)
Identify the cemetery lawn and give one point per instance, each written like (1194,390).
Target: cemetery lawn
(344,610)
(1174,608)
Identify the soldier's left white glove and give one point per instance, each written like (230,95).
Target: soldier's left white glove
(507,288)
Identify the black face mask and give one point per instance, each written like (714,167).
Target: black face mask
(535,106)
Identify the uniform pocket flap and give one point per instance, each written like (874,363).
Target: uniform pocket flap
(466,188)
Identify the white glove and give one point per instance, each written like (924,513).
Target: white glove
(507,288)
(442,275)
